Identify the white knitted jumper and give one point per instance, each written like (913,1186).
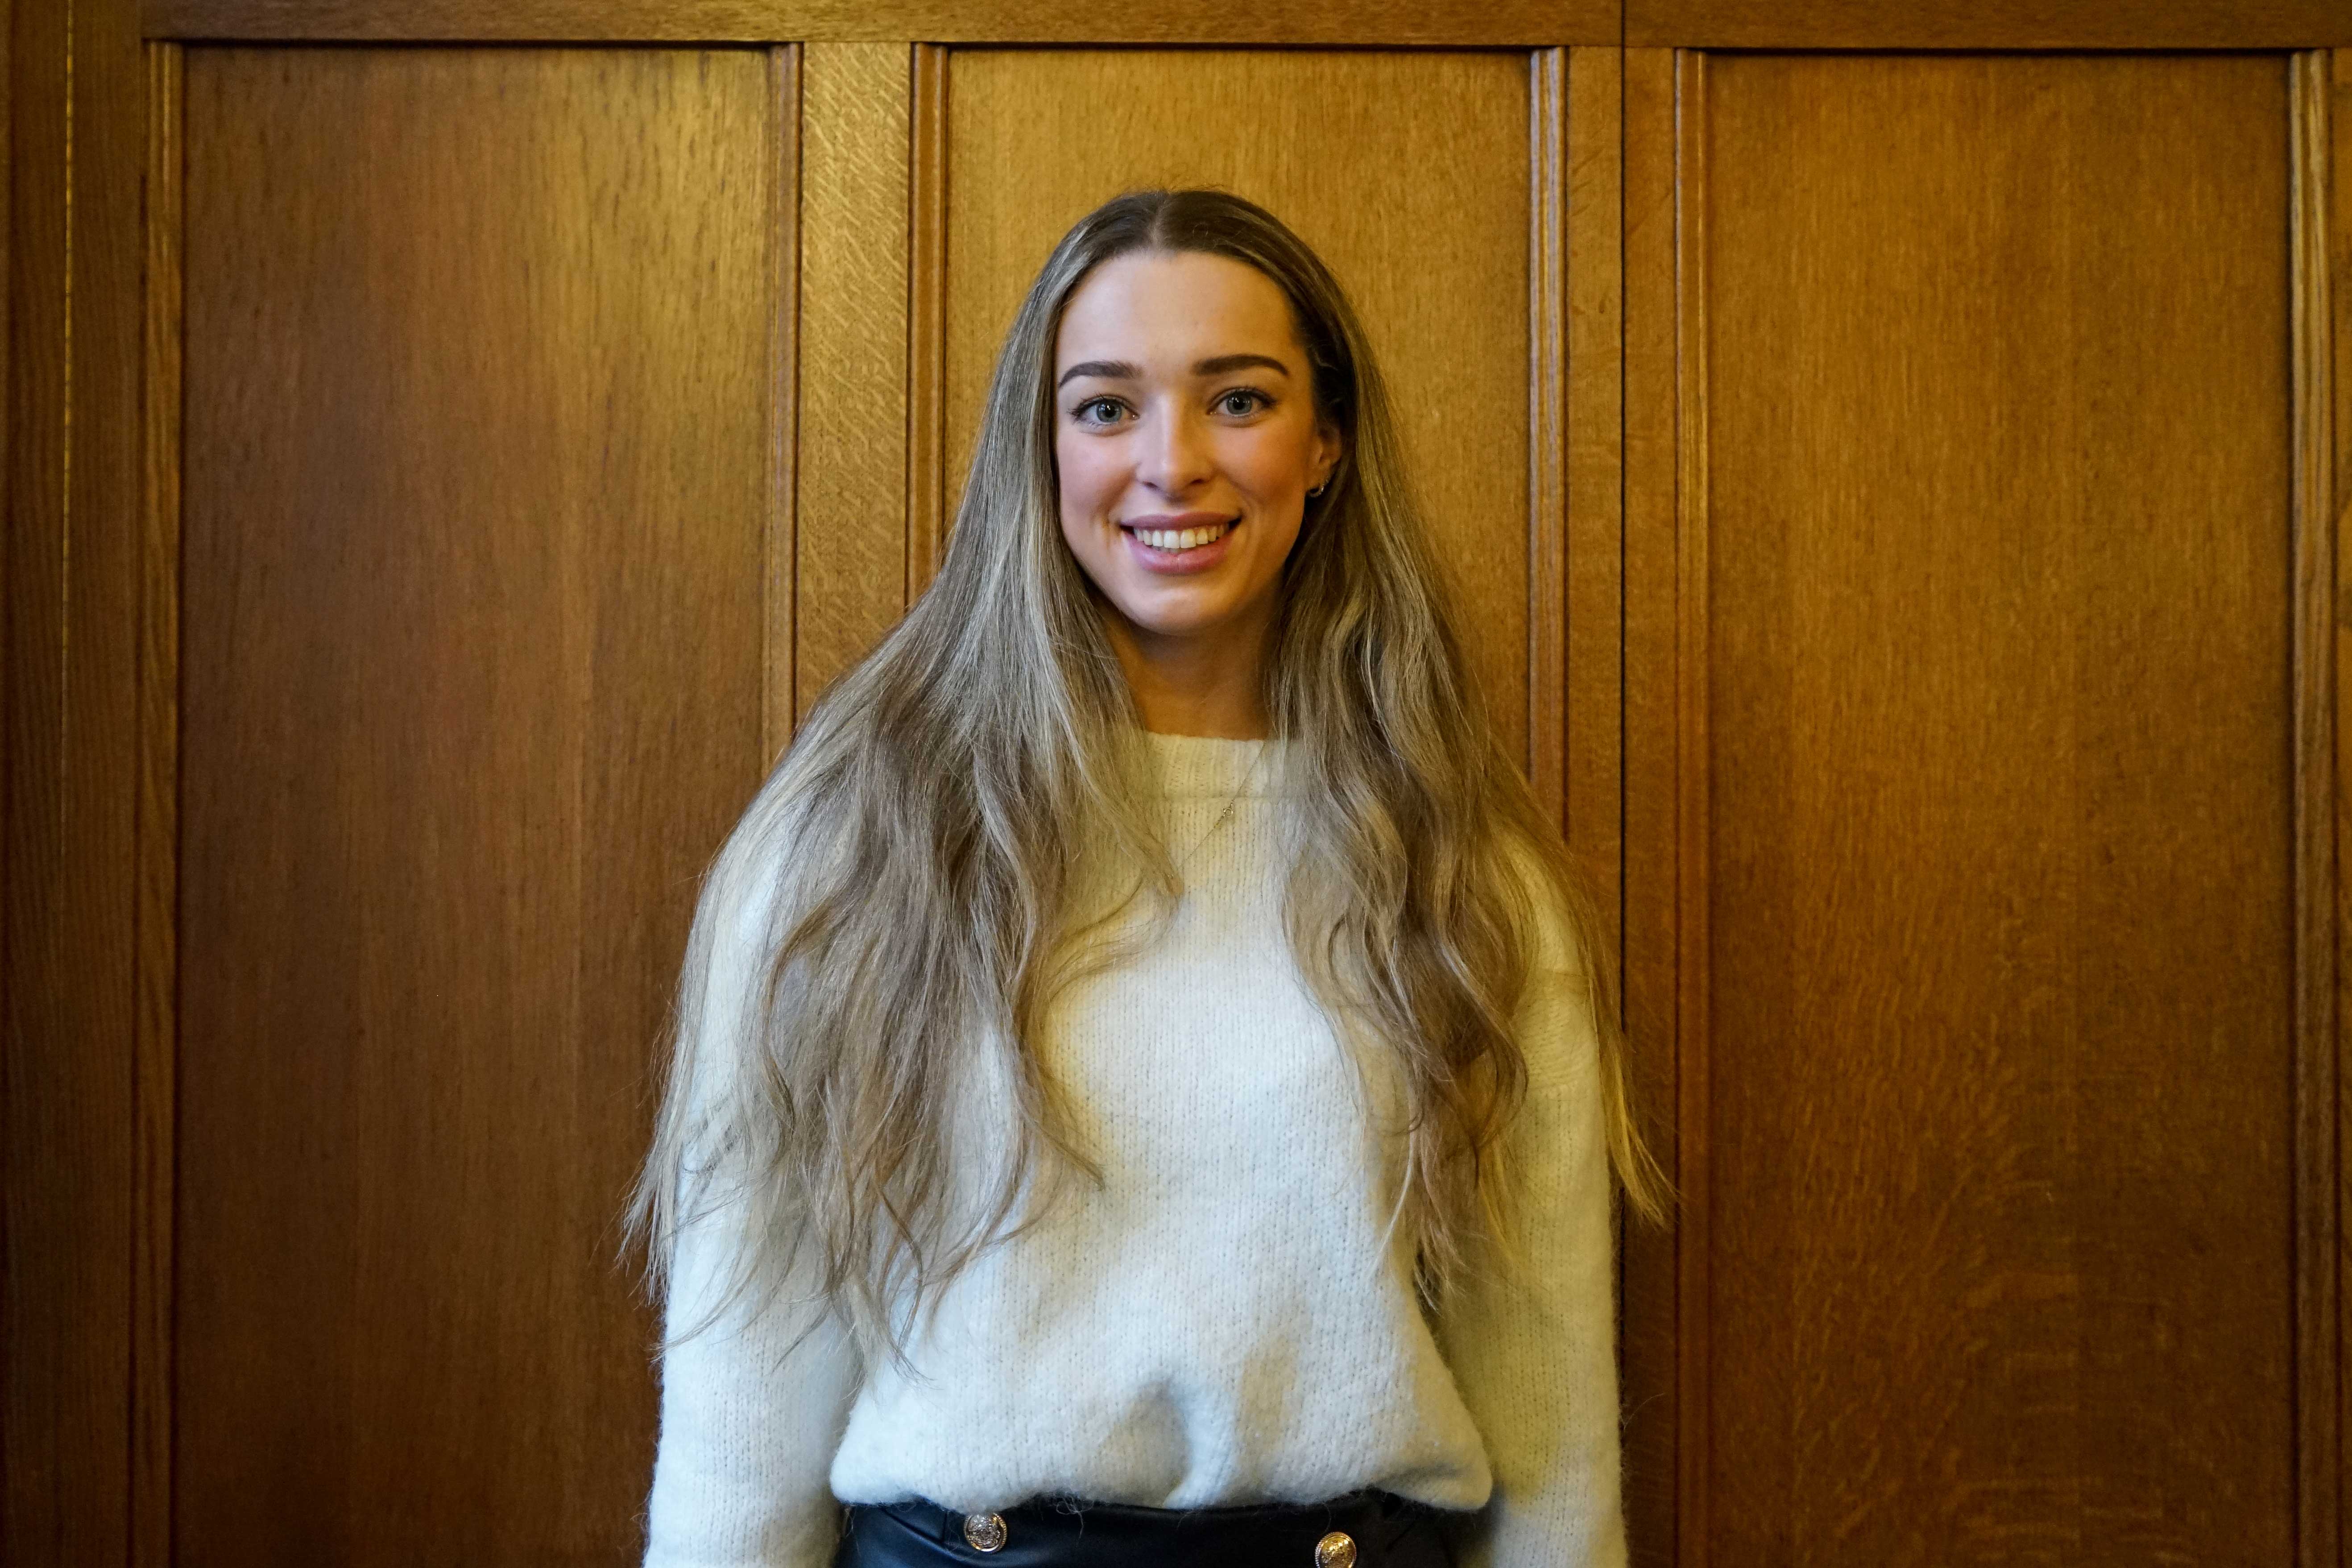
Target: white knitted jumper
(1229,1317)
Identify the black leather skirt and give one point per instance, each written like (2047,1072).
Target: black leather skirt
(1364,1530)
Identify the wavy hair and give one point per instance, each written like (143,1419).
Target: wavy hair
(901,894)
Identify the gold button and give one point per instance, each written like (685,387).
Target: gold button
(985,1532)
(1337,1550)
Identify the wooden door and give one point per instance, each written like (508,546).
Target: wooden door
(1892,459)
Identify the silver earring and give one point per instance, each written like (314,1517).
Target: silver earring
(1318,488)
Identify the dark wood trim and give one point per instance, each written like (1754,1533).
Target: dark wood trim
(927,316)
(1548,363)
(780,575)
(155,1076)
(1648,23)
(1693,762)
(2318,1474)
(1988,24)
(69,781)
(1651,1367)
(2339,243)
(1344,23)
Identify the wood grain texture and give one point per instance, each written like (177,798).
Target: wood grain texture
(1692,868)
(854,356)
(1650,1368)
(1438,23)
(2318,1040)
(476,484)
(2339,243)
(1592,626)
(1988,24)
(2317,1037)
(1430,244)
(69,778)
(155,1085)
(780,549)
(926,297)
(2001,736)
(1547,372)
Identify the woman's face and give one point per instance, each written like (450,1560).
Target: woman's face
(1187,440)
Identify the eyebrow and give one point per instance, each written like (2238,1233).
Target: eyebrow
(1121,370)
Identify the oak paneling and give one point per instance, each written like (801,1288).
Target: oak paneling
(155,1052)
(1720,23)
(1989,23)
(1432,244)
(852,385)
(477,474)
(1985,765)
(778,701)
(2319,1476)
(1660,1312)
(2338,243)
(1588,623)
(73,565)
(1439,23)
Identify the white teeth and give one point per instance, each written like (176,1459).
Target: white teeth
(1181,538)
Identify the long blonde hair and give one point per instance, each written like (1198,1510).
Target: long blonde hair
(904,876)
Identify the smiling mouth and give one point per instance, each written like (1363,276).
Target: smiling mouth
(1176,541)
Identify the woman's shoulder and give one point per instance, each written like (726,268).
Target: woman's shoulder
(1537,872)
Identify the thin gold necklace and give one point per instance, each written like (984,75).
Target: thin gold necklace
(1256,757)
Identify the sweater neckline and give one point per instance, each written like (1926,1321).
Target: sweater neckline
(1196,767)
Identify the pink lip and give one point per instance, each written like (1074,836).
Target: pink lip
(1177,563)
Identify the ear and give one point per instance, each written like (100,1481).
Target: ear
(1327,451)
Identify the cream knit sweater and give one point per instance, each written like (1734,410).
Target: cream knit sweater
(1228,1319)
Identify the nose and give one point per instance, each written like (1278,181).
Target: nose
(1175,455)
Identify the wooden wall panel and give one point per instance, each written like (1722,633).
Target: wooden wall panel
(1658,1311)
(1432,248)
(155,1047)
(477,471)
(73,567)
(1442,24)
(2319,1481)
(1983,712)
(1588,620)
(1980,24)
(853,324)
(2338,78)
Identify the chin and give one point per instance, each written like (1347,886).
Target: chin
(1167,626)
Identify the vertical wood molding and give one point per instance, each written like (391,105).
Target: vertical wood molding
(779,552)
(927,337)
(2319,1477)
(2339,250)
(1595,466)
(1691,777)
(155,1077)
(69,781)
(1652,1363)
(851,529)
(1548,363)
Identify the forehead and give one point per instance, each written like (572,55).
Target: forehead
(1155,306)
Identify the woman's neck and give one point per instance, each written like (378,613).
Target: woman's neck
(1205,684)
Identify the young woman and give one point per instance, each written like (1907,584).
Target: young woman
(1146,1083)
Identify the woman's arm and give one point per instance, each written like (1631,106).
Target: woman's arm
(1535,1356)
(749,1424)
(755,1385)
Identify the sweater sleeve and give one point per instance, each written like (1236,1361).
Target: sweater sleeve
(751,1409)
(749,1421)
(1535,1355)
